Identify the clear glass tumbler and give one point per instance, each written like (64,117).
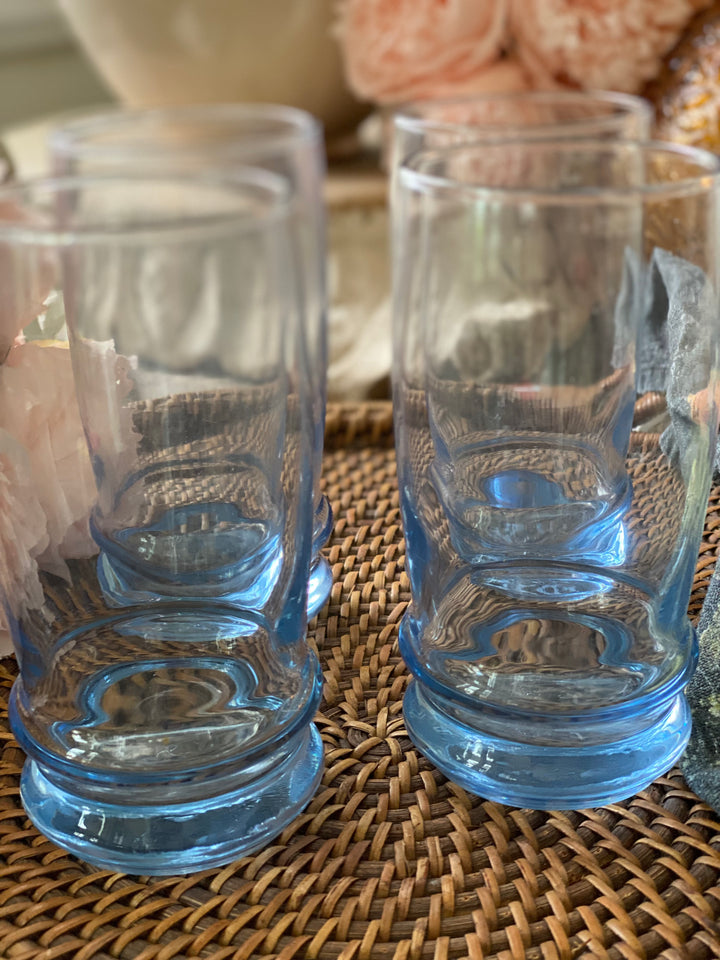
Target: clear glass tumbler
(555,363)
(221,137)
(166,689)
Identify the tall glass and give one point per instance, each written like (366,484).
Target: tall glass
(555,366)
(166,689)
(222,137)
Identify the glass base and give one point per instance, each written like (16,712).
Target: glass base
(593,772)
(167,839)
(319,586)
(320,582)
(322,524)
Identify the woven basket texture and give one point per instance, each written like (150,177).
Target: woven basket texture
(389,860)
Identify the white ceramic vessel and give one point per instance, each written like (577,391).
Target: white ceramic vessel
(162,52)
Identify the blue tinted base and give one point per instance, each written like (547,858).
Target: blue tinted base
(319,585)
(320,582)
(176,838)
(544,777)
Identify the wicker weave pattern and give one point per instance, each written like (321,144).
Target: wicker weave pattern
(389,860)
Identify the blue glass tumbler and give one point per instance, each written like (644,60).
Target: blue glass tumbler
(555,337)
(166,689)
(221,137)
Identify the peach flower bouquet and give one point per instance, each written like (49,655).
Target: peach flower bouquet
(399,50)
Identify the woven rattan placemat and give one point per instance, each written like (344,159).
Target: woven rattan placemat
(390,860)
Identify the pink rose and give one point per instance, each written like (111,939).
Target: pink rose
(47,486)
(597,44)
(404,49)
(22,291)
(23,535)
(38,407)
(504,76)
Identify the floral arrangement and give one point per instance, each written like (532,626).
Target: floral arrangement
(397,50)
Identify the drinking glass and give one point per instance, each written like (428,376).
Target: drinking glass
(166,689)
(222,137)
(552,522)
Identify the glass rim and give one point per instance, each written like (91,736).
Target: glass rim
(412,177)
(408,116)
(270,188)
(75,135)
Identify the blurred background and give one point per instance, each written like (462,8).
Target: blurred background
(42,68)
(341,60)
(59,57)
